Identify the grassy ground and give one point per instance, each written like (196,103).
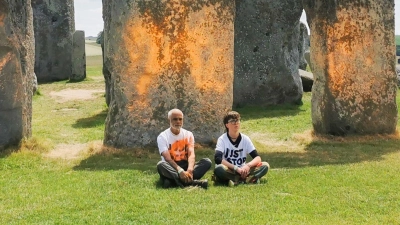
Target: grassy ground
(313,180)
(94,44)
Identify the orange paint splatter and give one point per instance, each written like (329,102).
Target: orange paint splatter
(179,150)
(181,43)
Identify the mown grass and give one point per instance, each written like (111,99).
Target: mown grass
(314,179)
(397,39)
(92,43)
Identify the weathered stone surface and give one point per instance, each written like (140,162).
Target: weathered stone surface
(266,52)
(35,83)
(54,25)
(307,58)
(165,54)
(16,71)
(352,53)
(78,56)
(303,46)
(106,73)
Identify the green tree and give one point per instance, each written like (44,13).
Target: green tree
(100,38)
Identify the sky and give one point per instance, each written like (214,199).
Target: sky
(88,16)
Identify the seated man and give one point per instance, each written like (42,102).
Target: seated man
(231,153)
(176,146)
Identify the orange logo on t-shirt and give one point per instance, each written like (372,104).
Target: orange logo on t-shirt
(178,150)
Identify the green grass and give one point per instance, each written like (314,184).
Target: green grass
(313,180)
(93,43)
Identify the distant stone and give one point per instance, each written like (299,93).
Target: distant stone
(307,80)
(54,24)
(16,71)
(106,74)
(267,34)
(307,58)
(35,83)
(78,57)
(303,46)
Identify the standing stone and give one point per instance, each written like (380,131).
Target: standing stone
(106,72)
(266,52)
(307,58)
(303,46)
(167,54)
(352,44)
(54,25)
(16,71)
(78,56)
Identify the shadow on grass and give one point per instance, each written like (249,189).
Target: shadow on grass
(333,153)
(94,121)
(142,160)
(257,112)
(6,151)
(317,153)
(129,159)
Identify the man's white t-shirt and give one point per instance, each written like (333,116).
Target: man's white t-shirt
(177,145)
(231,153)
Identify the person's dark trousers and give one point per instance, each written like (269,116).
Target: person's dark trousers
(223,173)
(166,171)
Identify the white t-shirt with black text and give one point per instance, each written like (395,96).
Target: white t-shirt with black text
(235,155)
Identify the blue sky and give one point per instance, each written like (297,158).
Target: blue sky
(88,16)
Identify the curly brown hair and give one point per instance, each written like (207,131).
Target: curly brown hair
(230,115)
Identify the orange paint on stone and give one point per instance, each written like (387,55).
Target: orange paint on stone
(344,60)
(2,20)
(207,58)
(5,60)
(145,66)
(151,50)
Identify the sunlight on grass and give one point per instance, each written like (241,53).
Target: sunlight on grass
(64,175)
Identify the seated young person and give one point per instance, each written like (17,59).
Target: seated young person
(231,154)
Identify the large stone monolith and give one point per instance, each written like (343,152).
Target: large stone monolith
(167,54)
(78,56)
(54,26)
(266,52)
(352,42)
(16,71)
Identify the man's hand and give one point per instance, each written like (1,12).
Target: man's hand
(190,170)
(185,177)
(189,176)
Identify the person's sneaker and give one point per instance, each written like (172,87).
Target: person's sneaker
(214,178)
(231,183)
(253,180)
(201,183)
(167,183)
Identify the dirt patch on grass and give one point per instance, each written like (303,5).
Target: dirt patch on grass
(67,151)
(273,144)
(74,94)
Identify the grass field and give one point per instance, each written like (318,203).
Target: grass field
(313,180)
